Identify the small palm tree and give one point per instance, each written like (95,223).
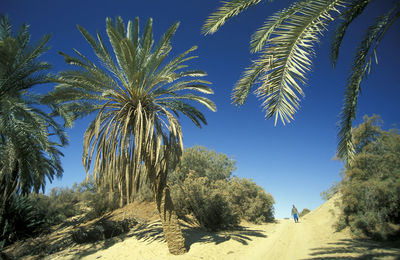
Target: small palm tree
(136,133)
(286,44)
(28,136)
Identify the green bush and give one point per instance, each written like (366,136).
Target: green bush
(101,203)
(206,201)
(203,163)
(371,185)
(250,201)
(304,212)
(329,193)
(203,187)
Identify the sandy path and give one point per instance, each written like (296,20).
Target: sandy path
(312,238)
(288,241)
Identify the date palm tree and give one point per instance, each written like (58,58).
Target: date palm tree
(28,135)
(286,45)
(138,99)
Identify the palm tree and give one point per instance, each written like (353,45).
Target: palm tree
(286,44)
(136,133)
(28,136)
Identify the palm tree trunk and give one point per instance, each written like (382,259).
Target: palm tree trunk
(169,219)
(8,184)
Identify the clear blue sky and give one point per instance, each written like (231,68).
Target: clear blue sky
(293,162)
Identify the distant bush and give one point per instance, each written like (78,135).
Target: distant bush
(202,186)
(304,212)
(100,203)
(203,163)
(371,185)
(329,193)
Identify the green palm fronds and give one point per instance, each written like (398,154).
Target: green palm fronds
(29,137)
(354,9)
(227,10)
(285,43)
(361,67)
(287,40)
(138,97)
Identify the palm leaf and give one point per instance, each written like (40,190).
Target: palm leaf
(352,12)
(361,67)
(286,56)
(223,13)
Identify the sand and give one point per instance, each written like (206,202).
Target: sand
(312,238)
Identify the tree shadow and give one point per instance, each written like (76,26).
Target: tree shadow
(63,244)
(359,249)
(240,234)
(144,232)
(154,232)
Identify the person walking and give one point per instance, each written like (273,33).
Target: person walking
(295,214)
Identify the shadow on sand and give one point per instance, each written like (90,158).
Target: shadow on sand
(144,232)
(154,232)
(357,249)
(240,234)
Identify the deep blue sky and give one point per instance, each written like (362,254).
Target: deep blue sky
(293,162)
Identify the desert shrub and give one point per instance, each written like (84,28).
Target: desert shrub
(100,202)
(371,186)
(206,201)
(202,186)
(100,230)
(250,201)
(203,163)
(60,204)
(331,191)
(304,212)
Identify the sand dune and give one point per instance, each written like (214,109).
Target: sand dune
(312,238)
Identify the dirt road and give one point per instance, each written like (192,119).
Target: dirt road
(315,238)
(312,238)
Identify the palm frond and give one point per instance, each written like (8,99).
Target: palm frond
(263,34)
(286,57)
(362,63)
(223,13)
(354,9)
(5,27)
(243,86)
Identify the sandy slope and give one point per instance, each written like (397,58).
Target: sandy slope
(312,238)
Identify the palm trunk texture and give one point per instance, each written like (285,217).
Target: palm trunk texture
(170,223)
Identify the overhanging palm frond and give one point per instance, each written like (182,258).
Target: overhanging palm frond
(354,9)
(263,34)
(226,11)
(290,36)
(362,63)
